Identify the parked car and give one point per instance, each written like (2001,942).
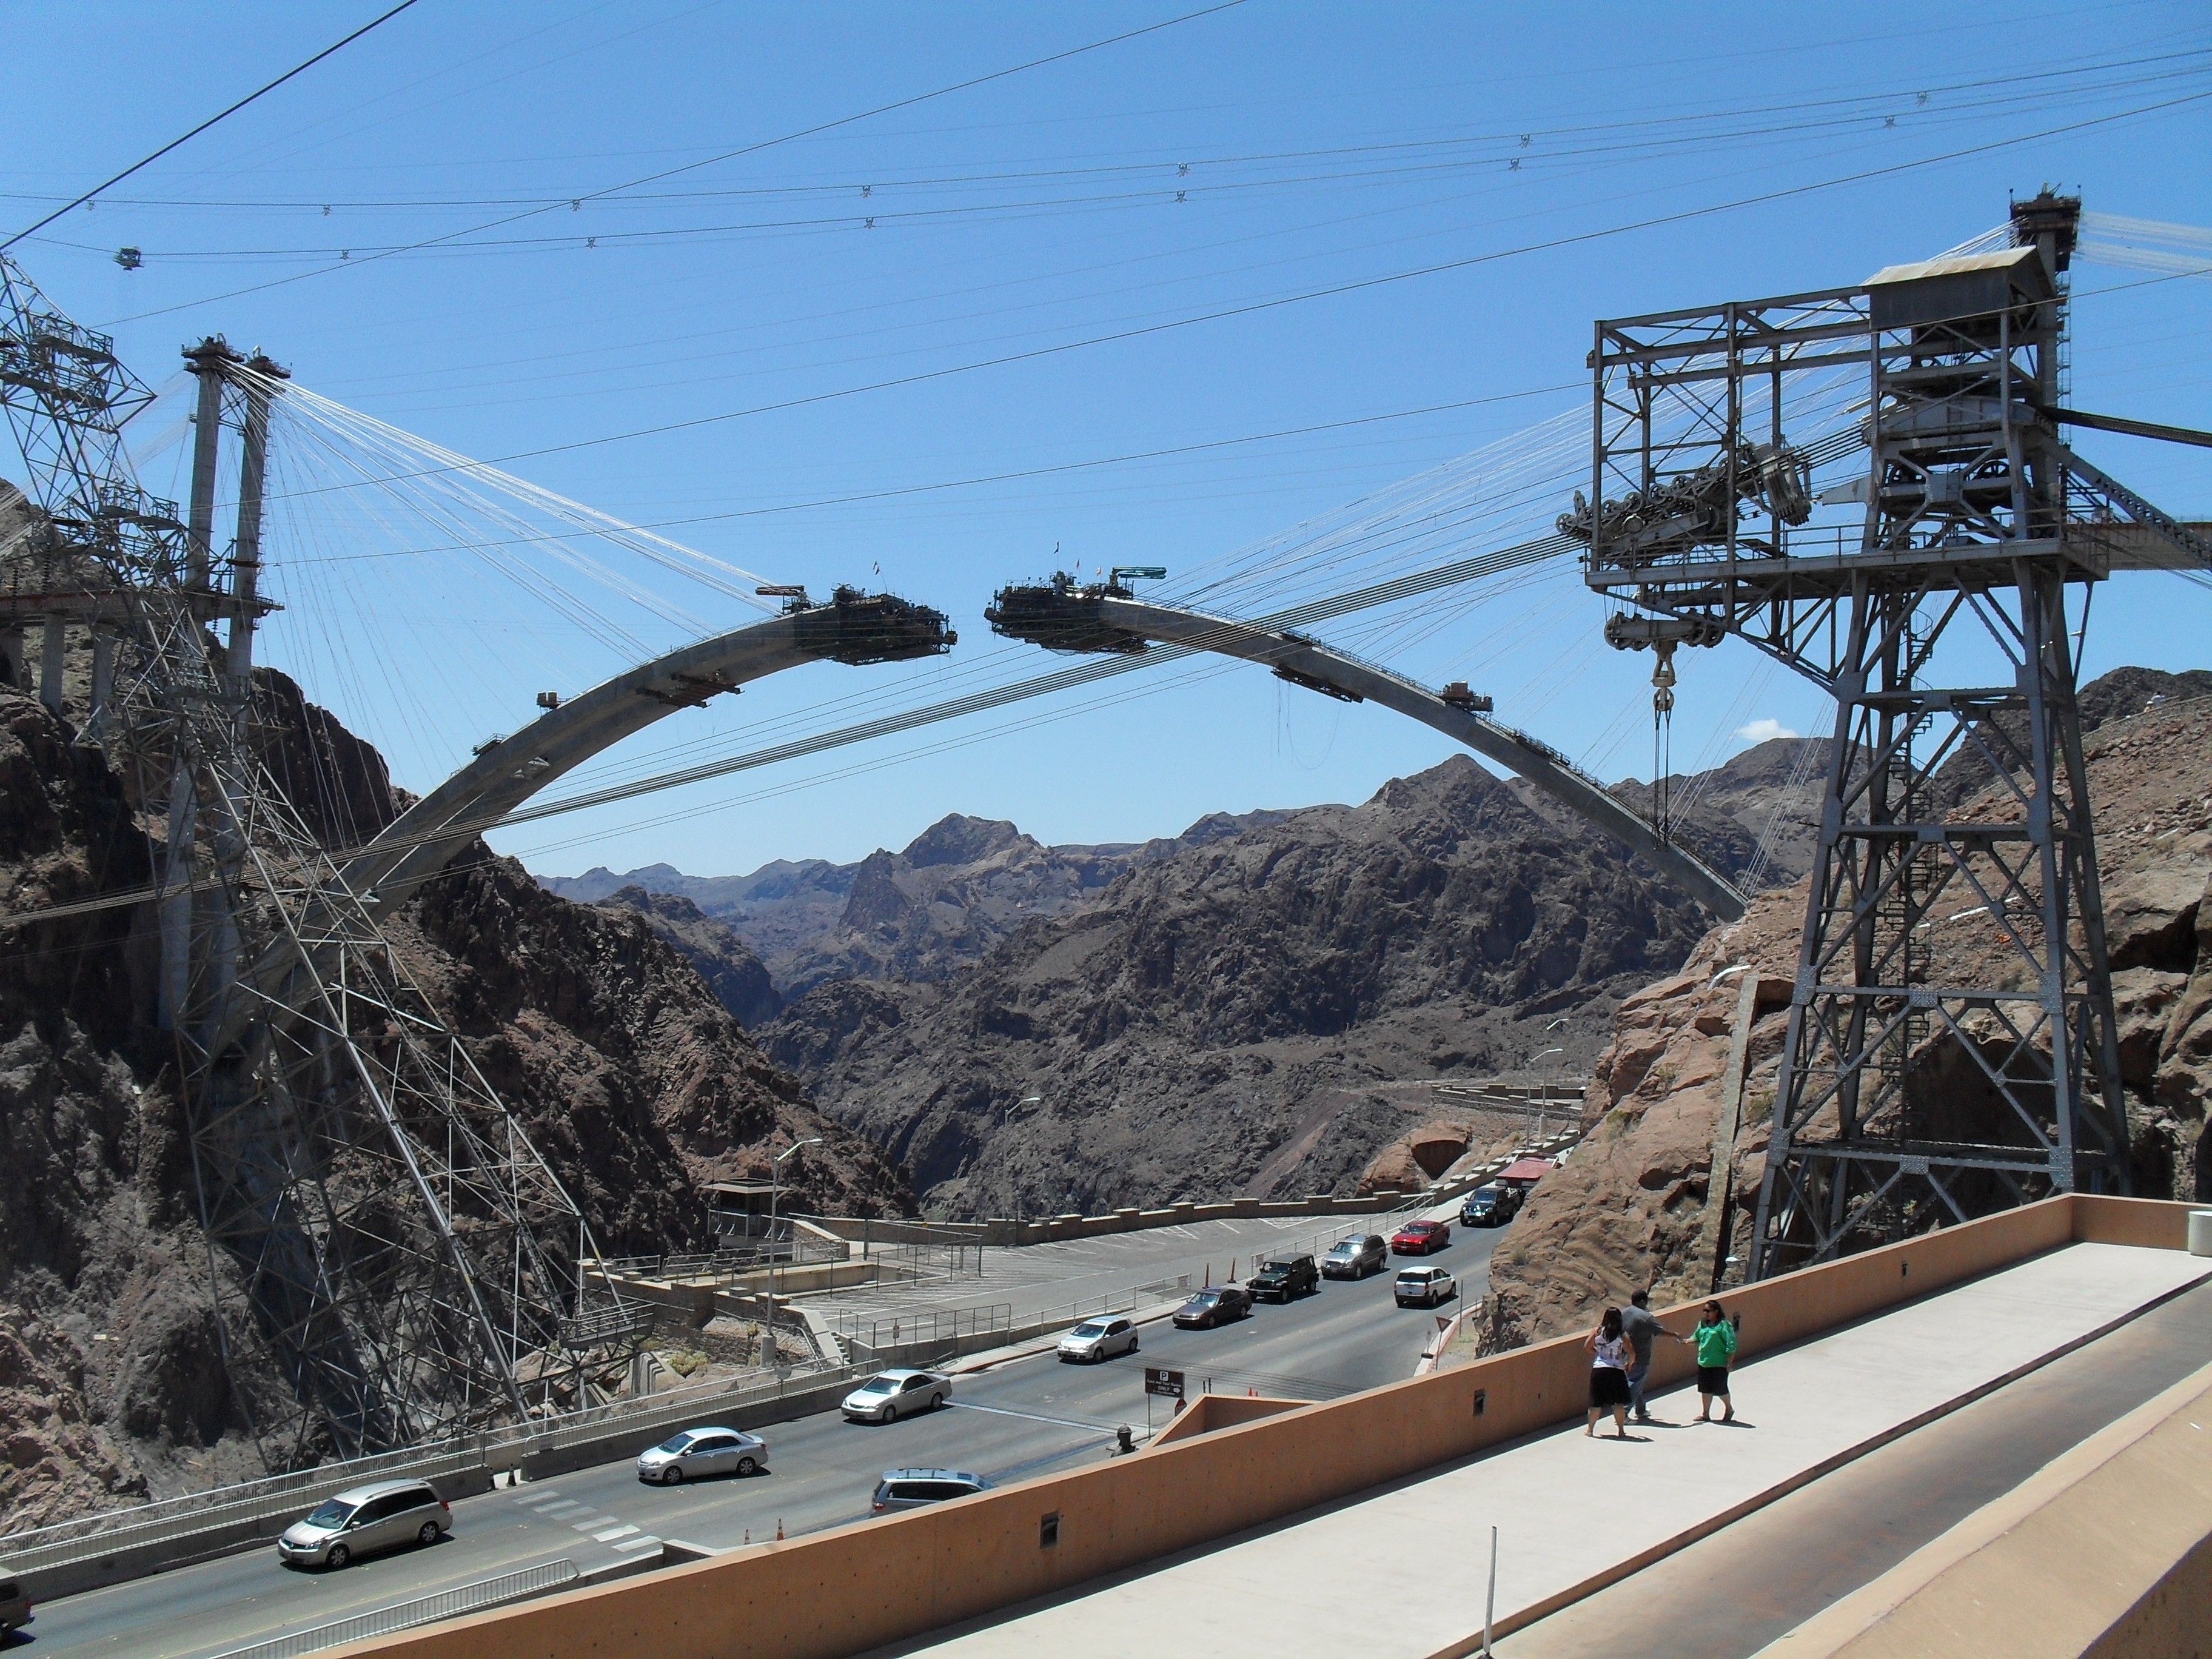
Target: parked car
(1216,1306)
(1284,1277)
(1424,1287)
(1356,1258)
(381,1515)
(896,1393)
(695,1452)
(909,1489)
(1099,1338)
(1490,1207)
(1419,1238)
(15,1608)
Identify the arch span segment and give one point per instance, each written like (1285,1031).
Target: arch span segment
(854,627)
(1093,621)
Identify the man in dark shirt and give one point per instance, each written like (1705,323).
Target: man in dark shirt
(1642,1327)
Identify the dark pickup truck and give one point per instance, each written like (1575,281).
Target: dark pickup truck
(1284,1278)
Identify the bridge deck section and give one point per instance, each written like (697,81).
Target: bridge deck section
(1401,1572)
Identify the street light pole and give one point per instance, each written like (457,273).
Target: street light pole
(1543,1099)
(775,1195)
(1026,1100)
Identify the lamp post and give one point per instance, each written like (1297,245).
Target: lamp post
(1026,1100)
(774,1194)
(1543,1099)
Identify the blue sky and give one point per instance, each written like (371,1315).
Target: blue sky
(1311,147)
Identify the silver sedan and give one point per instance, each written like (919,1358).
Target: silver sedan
(896,1393)
(697,1452)
(1099,1338)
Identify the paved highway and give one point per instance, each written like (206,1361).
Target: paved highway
(1019,1417)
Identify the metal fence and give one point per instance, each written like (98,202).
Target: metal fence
(422,1610)
(936,1325)
(731,1258)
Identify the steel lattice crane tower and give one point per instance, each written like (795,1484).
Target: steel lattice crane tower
(381,1231)
(1957,521)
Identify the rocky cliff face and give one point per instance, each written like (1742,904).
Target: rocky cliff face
(1236,1017)
(1633,1204)
(738,979)
(626,1069)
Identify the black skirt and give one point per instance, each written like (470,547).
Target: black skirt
(1712,1379)
(1608,1388)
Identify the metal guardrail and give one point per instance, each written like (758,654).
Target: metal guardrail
(164,1520)
(948,1325)
(422,1610)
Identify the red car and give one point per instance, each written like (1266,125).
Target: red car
(1419,1238)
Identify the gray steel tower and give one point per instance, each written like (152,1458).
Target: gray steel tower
(1916,568)
(381,1231)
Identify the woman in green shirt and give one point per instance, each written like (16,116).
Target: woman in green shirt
(1716,1343)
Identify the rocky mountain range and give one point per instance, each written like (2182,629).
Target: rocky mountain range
(628,1072)
(1636,1205)
(918,913)
(928,993)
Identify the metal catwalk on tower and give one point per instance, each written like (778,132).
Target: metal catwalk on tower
(381,1231)
(1918,572)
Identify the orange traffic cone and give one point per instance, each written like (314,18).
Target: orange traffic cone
(779,1529)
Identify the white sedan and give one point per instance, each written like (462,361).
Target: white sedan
(896,1393)
(1099,1338)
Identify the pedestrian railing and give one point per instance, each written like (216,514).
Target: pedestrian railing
(422,1610)
(932,1326)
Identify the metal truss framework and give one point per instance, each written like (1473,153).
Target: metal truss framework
(380,1229)
(1904,1102)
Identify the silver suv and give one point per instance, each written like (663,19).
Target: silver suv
(910,1489)
(381,1515)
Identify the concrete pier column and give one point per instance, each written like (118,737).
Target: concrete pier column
(103,678)
(50,659)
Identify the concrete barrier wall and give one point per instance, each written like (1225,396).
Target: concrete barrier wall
(1210,1412)
(2106,1551)
(857,1587)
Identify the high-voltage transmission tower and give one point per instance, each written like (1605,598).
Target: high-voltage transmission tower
(1955,517)
(382,1233)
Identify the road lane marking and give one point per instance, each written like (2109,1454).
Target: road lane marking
(637,1543)
(1033,1417)
(557,1510)
(591,1522)
(539,1498)
(612,1533)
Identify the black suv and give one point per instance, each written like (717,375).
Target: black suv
(1490,1207)
(1284,1278)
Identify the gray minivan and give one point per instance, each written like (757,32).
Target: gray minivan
(380,1515)
(909,1489)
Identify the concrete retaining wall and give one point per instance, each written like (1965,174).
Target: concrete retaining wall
(2106,1551)
(857,1587)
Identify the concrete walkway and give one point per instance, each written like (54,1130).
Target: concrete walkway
(1399,1574)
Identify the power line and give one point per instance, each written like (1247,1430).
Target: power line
(689,167)
(174,143)
(1333,290)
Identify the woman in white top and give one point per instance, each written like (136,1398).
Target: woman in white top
(1609,1360)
